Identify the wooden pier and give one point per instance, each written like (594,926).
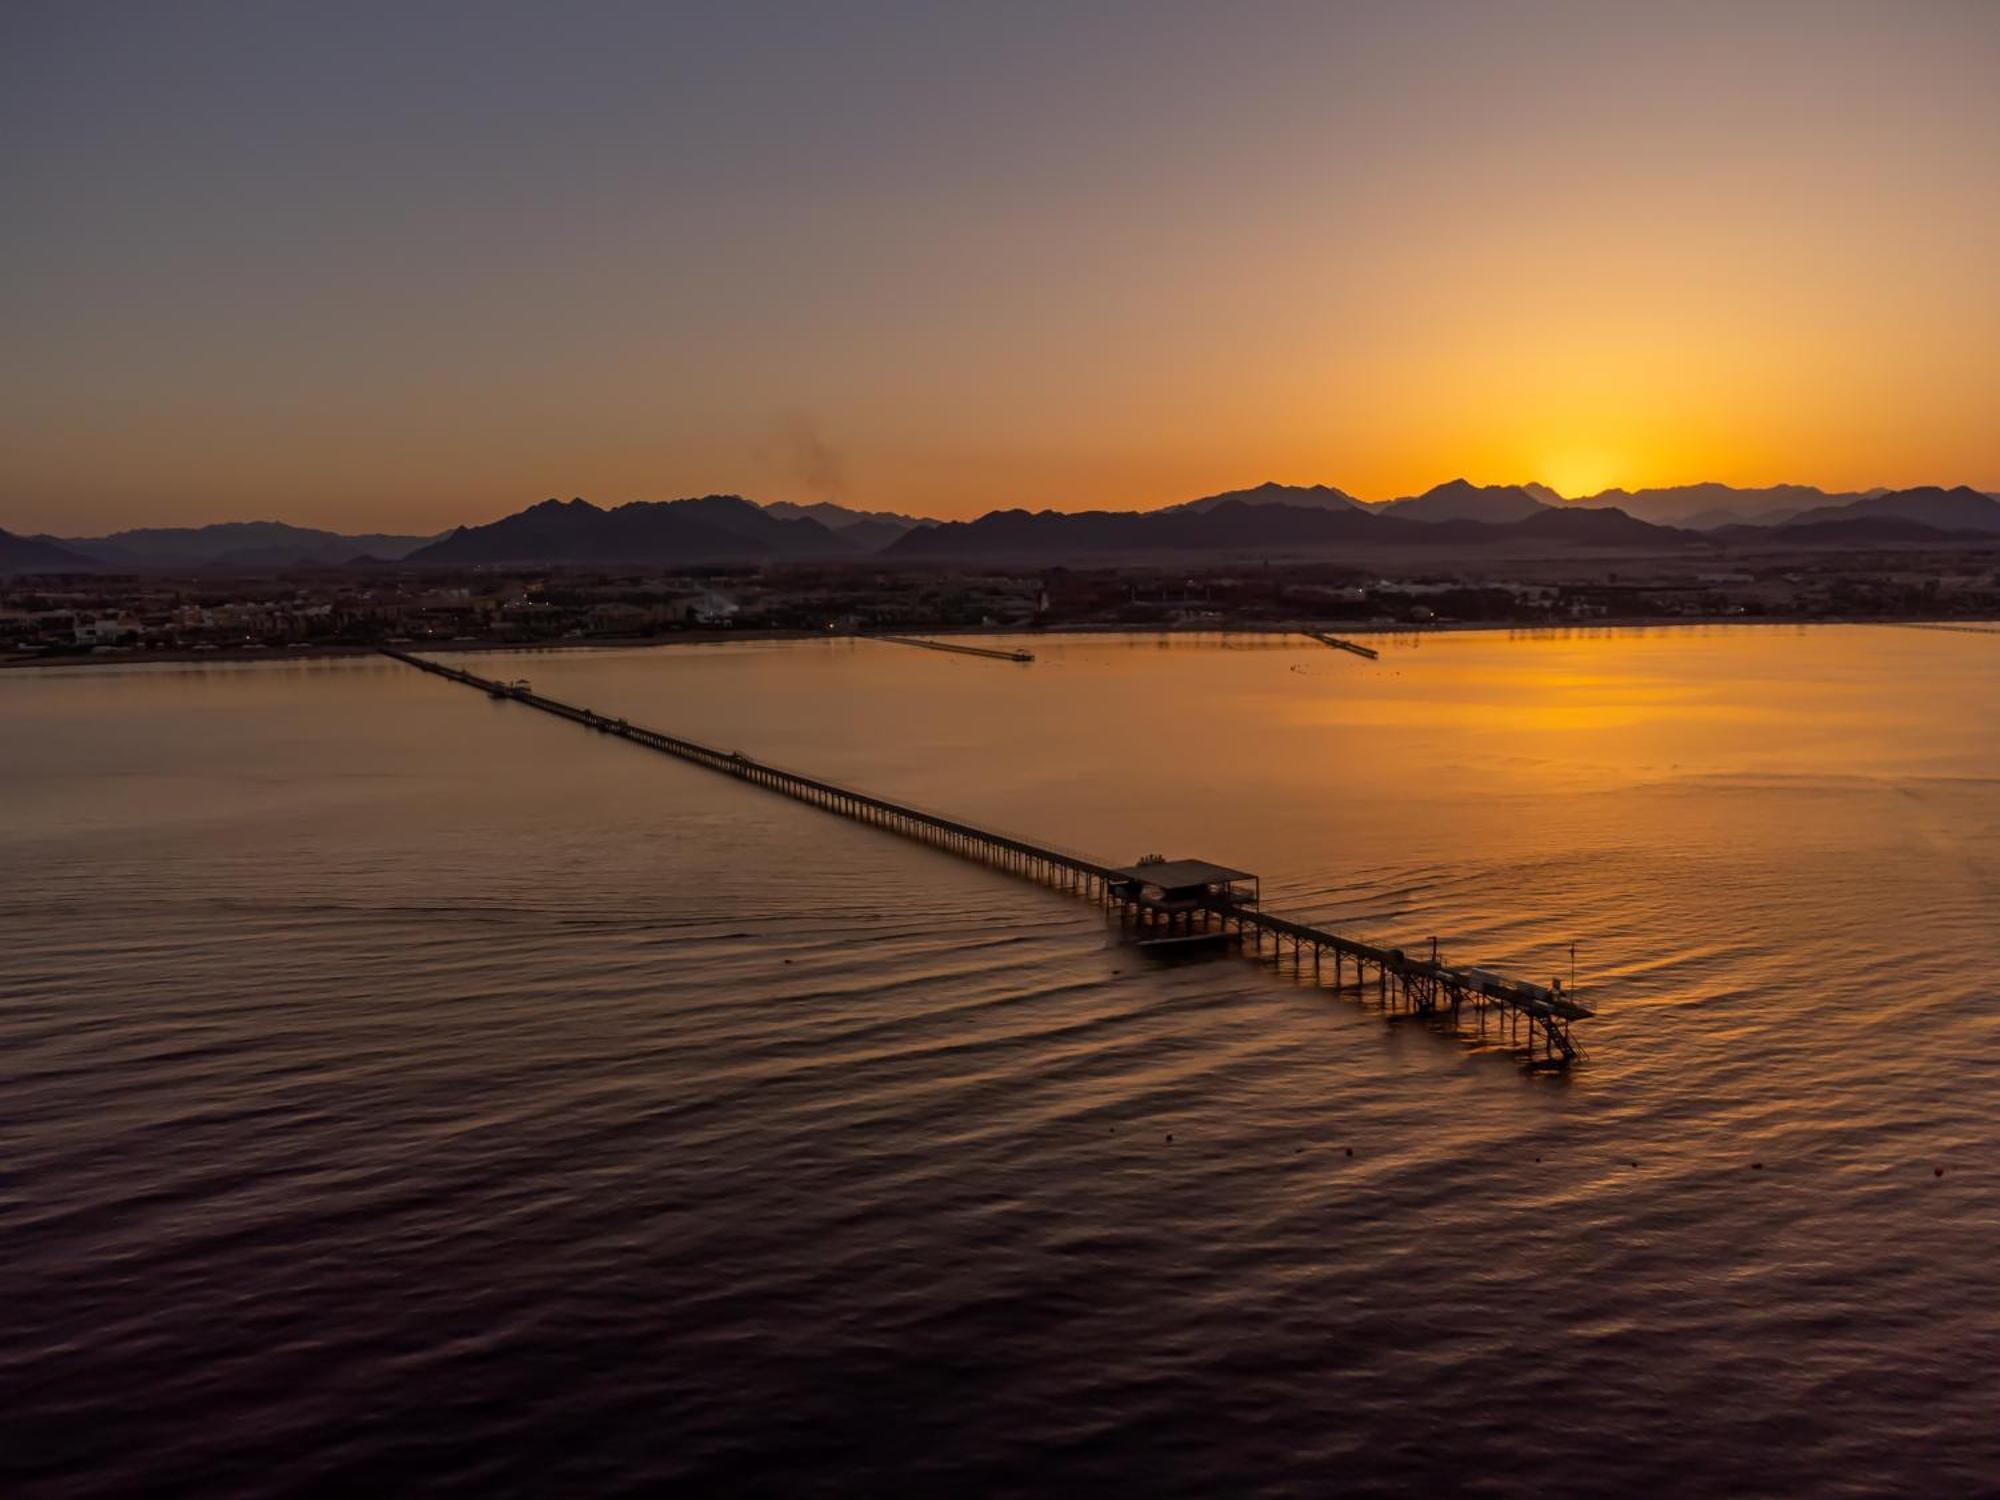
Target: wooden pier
(911,640)
(1157,902)
(1339,645)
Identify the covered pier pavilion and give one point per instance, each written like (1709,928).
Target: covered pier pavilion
(1181,901)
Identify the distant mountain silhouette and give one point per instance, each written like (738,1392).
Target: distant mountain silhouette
(1960,509)
(728,528)
(1709,520)
(750,524)
(835,517)
(1462,500)
(887,524)
(1238,527)
(861,530)
(713,528)
(1838,529)
(238,545)
(1300,496)
(1606,526)
(35,554)
(1705,506)
(1229,525)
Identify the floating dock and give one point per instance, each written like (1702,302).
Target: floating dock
(1156,901)
(1339,645)
(911,640)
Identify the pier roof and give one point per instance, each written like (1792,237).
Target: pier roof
(1181,874)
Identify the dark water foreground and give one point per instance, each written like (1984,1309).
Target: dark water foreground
(404,1093)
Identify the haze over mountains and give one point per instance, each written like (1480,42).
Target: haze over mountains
(1270,516)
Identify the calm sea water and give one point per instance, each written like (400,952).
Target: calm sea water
(402,1092)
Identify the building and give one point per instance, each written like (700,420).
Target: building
(1164,885)
(707,608)
(105,631)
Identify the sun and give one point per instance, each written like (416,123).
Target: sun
(1576,472)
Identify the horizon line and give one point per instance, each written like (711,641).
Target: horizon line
(865,507)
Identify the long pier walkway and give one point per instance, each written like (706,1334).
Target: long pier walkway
(1971,627)
(1216,904)
(1340,645)
(953,646)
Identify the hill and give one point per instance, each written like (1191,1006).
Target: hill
(843,518)
(1857,531)
(712,528)
(1703,507)
(861,530)
(1300,496)
(34,554)
(1230,526)
(1236,527)
(1600,527)
(243,545)
(1959,509)
(1265,517)
(1462,500)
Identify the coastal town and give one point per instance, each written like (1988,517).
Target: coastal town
(114,616)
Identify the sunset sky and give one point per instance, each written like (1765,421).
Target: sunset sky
(404,265)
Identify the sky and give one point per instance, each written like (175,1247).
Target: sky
(401,266)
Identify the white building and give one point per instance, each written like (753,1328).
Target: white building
(104,632)
(711,609)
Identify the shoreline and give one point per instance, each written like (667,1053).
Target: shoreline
(266,655)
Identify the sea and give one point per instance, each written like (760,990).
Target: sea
(404,1092)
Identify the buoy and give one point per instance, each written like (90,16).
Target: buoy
(1756,1166)
(1170,1135)
(1350,1150)
(1937,1171)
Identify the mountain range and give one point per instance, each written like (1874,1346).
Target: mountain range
(231,546)
(1462,500)
(33,554)
(1695,507)
(1456,514)
(1960,509)
(1300,496)
(1455,500)
(1269,516)
(713,528)
(1239,526)
(864,530)
(1704,507)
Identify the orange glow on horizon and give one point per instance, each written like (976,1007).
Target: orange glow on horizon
(1631,246)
